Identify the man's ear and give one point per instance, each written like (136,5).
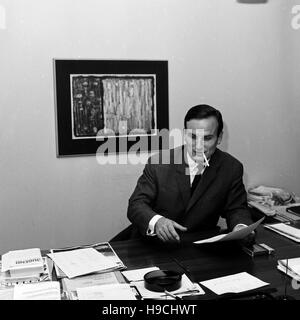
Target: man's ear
(220,137)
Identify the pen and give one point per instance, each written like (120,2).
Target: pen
(172,295)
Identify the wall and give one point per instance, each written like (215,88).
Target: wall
(239,57)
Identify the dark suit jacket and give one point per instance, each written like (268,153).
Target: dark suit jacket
(165,189)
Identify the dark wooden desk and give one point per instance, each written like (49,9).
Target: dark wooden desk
(203,262)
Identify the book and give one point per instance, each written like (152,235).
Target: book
(22,263)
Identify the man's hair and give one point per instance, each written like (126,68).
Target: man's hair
(203,111)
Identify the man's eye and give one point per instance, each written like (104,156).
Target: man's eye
(207,138)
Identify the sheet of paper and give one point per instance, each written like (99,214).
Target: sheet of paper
(106,292)
(137,274)
(103,247)
(7,294)
(292,265)
(234,235)
(289,272)
(48,290)
(285,230)
(89,281)
(82,261)
(234,283)
(187,287)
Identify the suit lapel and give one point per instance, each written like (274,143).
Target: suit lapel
(207,178)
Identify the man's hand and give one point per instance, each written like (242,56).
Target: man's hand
(249,240)
(165,230)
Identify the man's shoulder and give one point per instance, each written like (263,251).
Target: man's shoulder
(229,158)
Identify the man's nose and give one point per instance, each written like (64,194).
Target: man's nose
(200,143)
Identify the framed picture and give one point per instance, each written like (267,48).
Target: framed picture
(110,106)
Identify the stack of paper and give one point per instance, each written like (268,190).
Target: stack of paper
(285,230)
(103,247)
(70,286)
(79,262)
(23,263)
(49,290)
(291,267)
(107,292)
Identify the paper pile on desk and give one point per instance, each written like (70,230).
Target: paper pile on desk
(49,290)
(106,292)
(82,261)
(103,247)
(291,267)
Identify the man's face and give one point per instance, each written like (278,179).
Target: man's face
(201,137)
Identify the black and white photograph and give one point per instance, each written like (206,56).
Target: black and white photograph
(149,157)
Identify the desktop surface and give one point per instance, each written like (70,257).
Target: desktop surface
(208,261)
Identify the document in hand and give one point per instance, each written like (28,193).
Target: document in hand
(234,235)
(82,261)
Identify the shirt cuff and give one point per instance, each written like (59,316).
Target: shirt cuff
(242,225)
(151,226)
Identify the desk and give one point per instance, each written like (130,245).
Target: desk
(214,260)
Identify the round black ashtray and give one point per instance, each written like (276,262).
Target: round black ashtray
(161,280)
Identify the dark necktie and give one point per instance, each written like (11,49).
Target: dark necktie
(197,178)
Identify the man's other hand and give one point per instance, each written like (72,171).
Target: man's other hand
(165,230)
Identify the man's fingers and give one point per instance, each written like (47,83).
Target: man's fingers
(165,229)
(162,235)
(179,226)
(172,233)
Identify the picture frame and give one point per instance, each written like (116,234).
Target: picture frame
(110,106)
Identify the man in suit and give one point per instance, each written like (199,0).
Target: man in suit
(199,184)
